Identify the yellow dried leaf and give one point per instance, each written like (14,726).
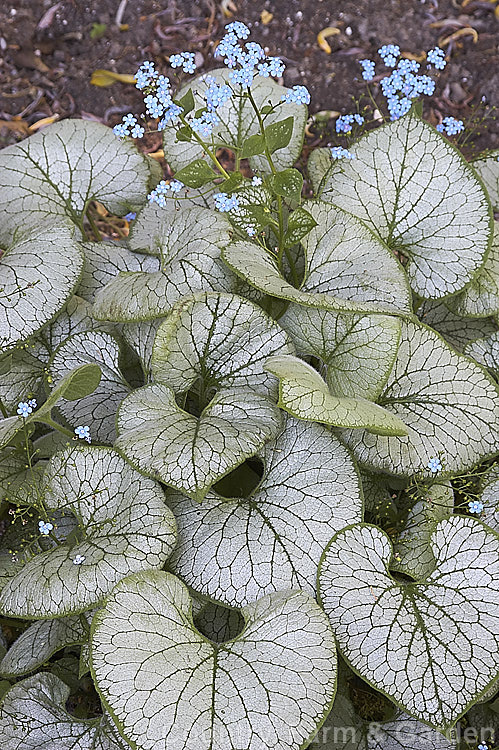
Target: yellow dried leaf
(157,154)
(20,125)
(323,35)
(266,17)
(228,8)
(108,77)
(467,31)
(41,123)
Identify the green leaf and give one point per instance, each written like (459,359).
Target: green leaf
(278,134)
(304,394)
(412,640)
(60,169)
(187,102)
(275,680)
(217,341)
(356,352)
(486,352)
(188,242)
(252,146)
(481,296)
(119,524)
(346,267)
(449,404)
(184,134)
(415,190)
(238,123)
(192,453)
(277,533)
(40,641)
(36,279)
(413,553)
(229,185)
(300,223)
(196,174)
(33,716)
(288,183)
(98,409)
(488,170)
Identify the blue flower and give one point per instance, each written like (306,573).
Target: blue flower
(145,75)
(434,465)
(367,69)
(153,106)
(83,433)
(273,66)
(176,186)
(24,409)
(389,54)
(224,202)
(217,95)
(436,57)
(407,66)
(482,746)
(243,76)
(32,403)
(297,95)
(120,130)
(79,559)
(171,115)
(159,194)
(137,131)
(451,126)
(130,216)
(475,506)
(45,528)
(338,152)
(240,30)
(345,122)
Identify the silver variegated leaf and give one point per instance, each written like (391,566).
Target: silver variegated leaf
(120,525)
(98,410)
(449,404)
(490,498)
(218,623)
(481,297)
(486,352)
(356,352)
(168,686)
(187,452)
(188,242)
(304,394)
(104,261)
(60,169)
(33,716)
(36,278)
(456,330)
(237,550)
(40,641)
(432,647)
(347,268)
(219,341)
(488,170)
(418,194)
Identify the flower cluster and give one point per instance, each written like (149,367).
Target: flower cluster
(184,60)
(367,69)
(450,126)
(475,506)
(436,57)
(338,152)
(45,527)
(434,465)
(224,202)
(345,123)
(297,95)
(25,408)
(128,127)
(403,85)
(83,432)
(389,53)
(160,192)
(248,60)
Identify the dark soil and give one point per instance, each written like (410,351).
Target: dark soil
(49,51)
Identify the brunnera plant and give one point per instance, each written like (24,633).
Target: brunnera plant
(247,453)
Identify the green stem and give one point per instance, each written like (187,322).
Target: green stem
(50,423)
(203,145)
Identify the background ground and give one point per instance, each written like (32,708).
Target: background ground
(49,50)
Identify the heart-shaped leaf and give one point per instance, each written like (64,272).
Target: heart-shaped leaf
(59,170)
(40,641)
(356,352)
(97,410)
(488,170)
(270,687)
(304,394)
(413,553)
(36,279)
(192,453)
(418,194)
(122,525)
(33,716)
(432,647)
(238,123)
(237,550)
(218,341)
(188,242)
(448,403)
(105,260)
(346,267)
(481,296)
